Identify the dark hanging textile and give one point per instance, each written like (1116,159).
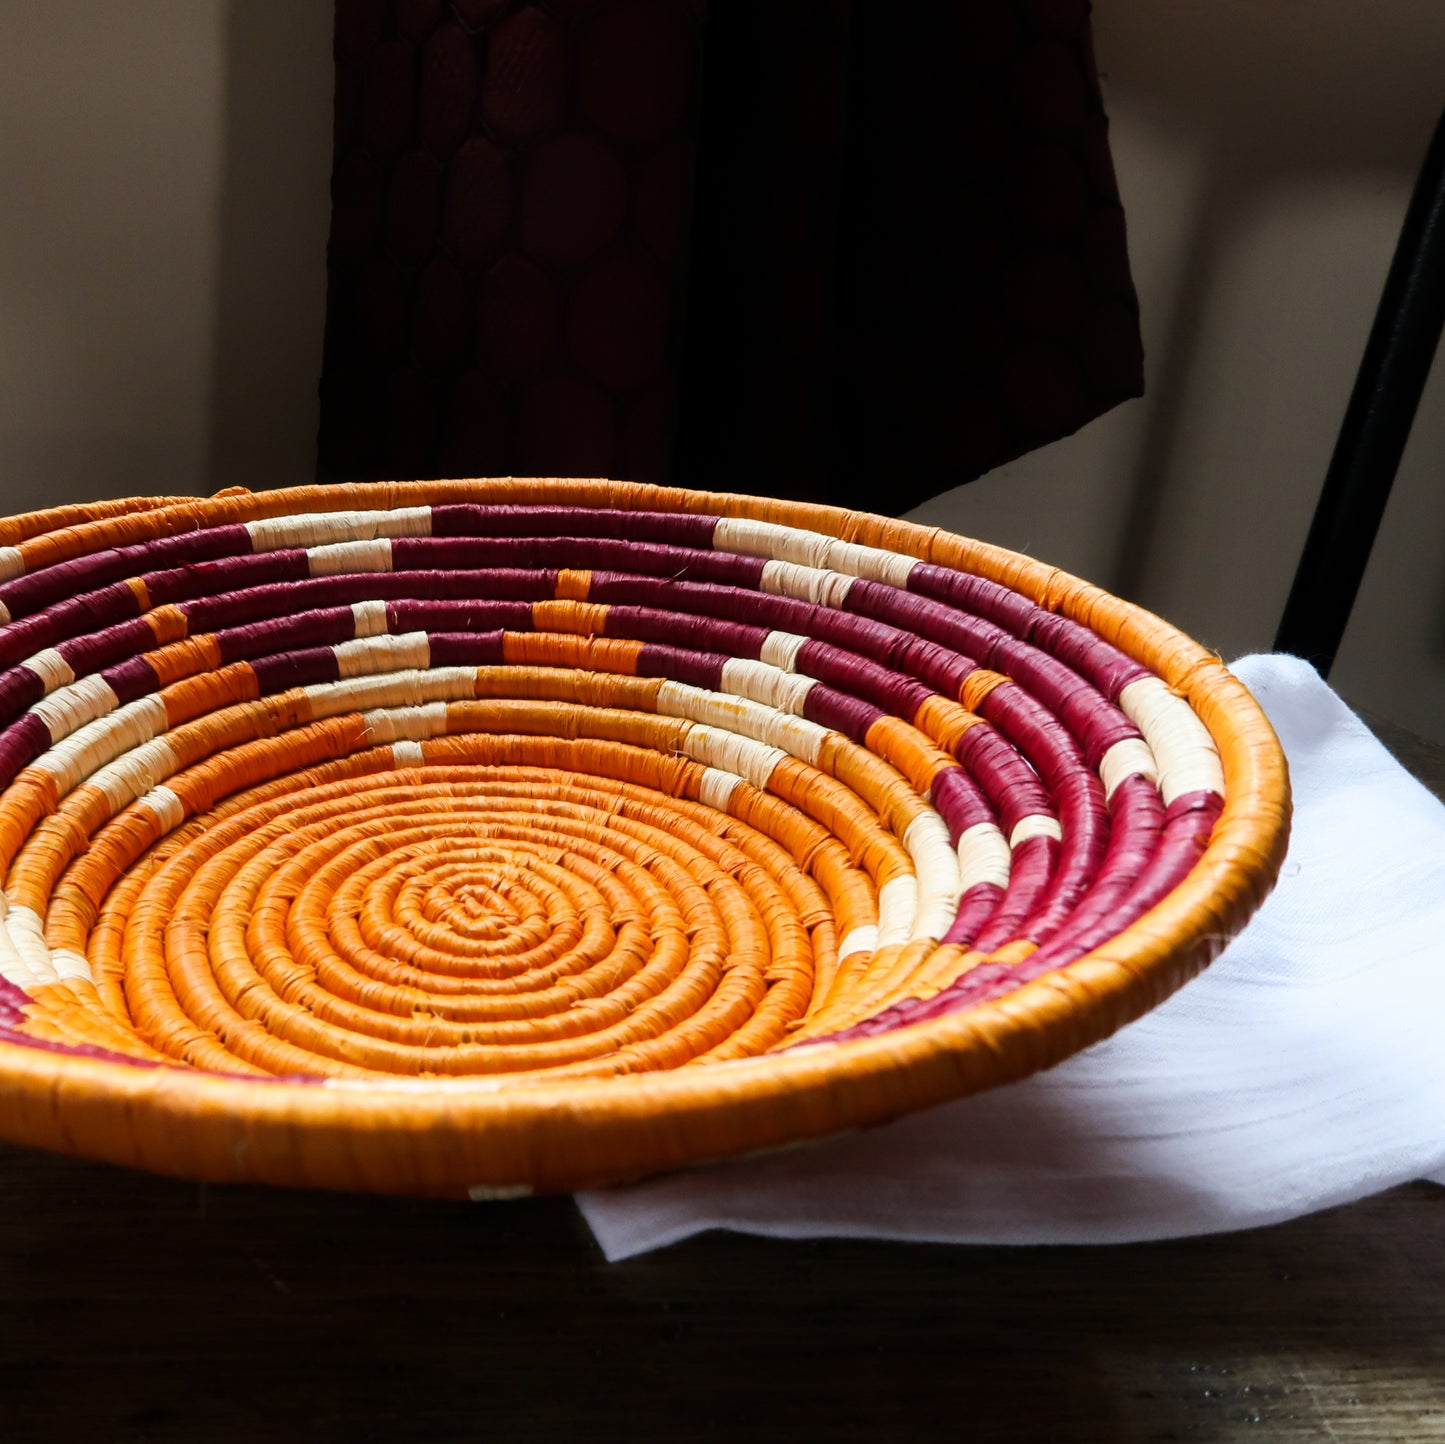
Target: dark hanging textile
(857,252)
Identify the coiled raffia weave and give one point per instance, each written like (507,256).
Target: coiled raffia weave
(505,836)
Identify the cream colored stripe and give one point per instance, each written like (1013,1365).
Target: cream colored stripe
(717,788)
(52,669)
(135,773)
(26,932)
(1129,758)
(392,689)
(897,907)
(753,761)
(328,528)
(367,655)
(170,811)
(768,539)
(863,939)
(788,579)
(69,964)
(810,549)
(1184,752)
(940,882)
(45,965)
(405,724)
(983,856)
(76,758)
(795,735)
(1039,825)
(764,683)
(872,563)
(407,754)
(347,557)
(71,708)
(369,619)
(780,649)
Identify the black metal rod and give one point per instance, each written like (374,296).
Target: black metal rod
(1376,427)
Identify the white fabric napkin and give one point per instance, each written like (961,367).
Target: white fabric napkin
(1304,1069)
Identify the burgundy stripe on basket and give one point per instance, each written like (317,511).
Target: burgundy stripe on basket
(958,801)
(43,588)
(705,634)
(852,716)
(1077,647)
(283,598)
(208,579)
(307,668)
(892,692)
(1085,821)
(449,616)
(1096,723)
(1034,862)
(675,528)
(132,679)
(1188,824)
(19,688)
(20,744)
(697,669)
(973,594)
(1004,776)
(1113,900)
(467,649)
(13,1003)
(975,908)
(321,628)
(90,613)
(98,650)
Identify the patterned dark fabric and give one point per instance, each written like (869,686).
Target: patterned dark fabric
(903,265)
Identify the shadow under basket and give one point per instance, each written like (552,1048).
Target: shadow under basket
(511,836)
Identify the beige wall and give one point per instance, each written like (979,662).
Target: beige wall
(163,212)
(109,141)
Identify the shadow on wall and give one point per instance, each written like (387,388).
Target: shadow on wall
(1273,95)
(270,287)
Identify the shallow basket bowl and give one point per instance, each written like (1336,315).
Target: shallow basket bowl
(513,836)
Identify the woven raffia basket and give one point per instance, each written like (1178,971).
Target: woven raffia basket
(494,837)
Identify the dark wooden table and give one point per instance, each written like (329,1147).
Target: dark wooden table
(139,1309)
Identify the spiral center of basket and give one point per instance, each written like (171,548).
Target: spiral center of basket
(471,918)
(475,909)
(459,901)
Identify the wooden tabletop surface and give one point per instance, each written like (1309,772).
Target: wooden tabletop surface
(141,1309)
